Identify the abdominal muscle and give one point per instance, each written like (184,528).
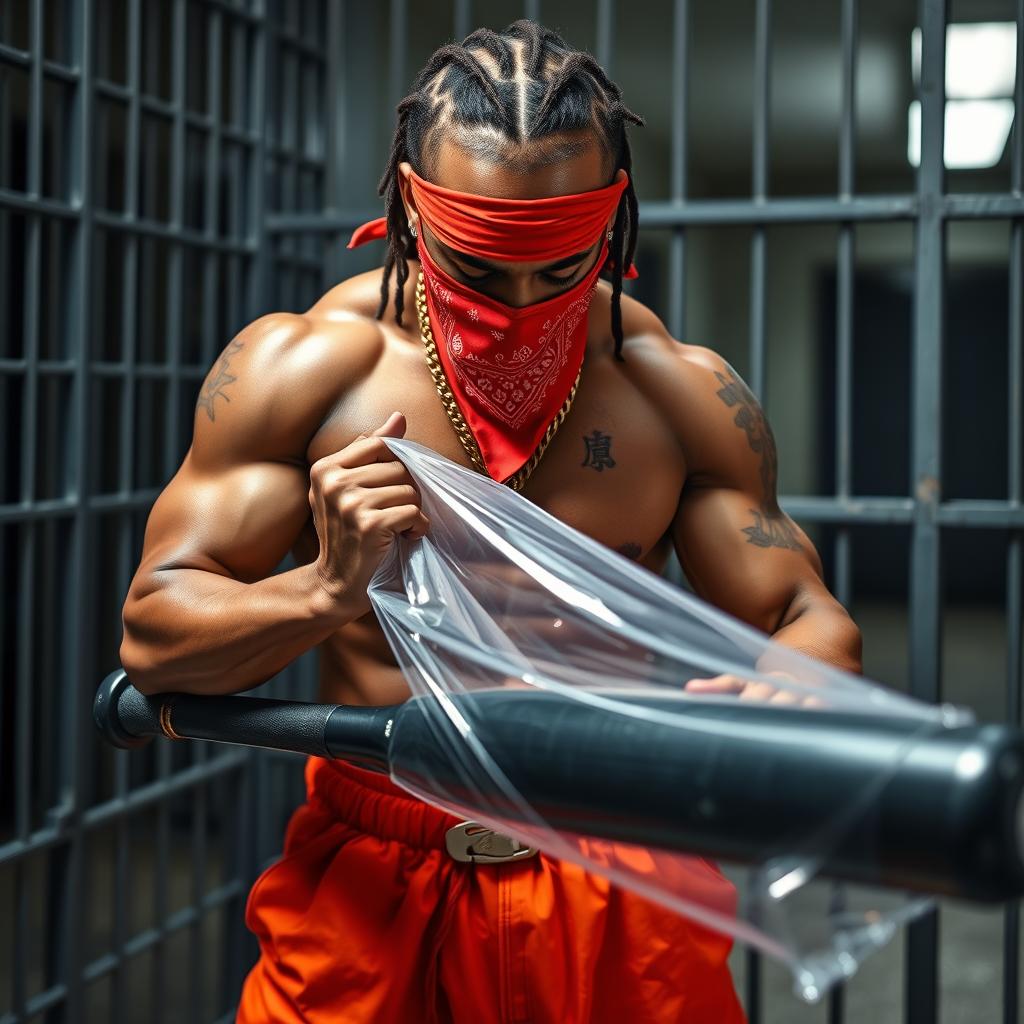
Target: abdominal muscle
(357,666)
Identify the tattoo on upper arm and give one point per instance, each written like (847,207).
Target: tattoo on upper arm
(630,549)
(217,380)
(771,528)
(597,452)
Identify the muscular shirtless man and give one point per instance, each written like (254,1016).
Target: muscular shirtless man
(663,445)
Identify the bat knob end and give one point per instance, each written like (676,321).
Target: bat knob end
(106,715)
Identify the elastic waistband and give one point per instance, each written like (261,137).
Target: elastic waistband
(372,803)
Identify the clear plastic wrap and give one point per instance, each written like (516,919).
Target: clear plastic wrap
(502,599)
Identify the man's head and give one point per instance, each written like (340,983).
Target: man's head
(515,115)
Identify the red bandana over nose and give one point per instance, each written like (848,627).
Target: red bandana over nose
(509,368)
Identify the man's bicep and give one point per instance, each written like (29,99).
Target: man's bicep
(746,558)
(238,522)
(240,497)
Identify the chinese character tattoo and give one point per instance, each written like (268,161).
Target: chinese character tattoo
(598,451)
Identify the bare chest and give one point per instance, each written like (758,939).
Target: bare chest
(614,471)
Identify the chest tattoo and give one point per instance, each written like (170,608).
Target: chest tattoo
(597,451)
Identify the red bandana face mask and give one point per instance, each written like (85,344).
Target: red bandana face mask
(509,368)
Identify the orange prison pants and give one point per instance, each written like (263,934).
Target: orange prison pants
(366,918)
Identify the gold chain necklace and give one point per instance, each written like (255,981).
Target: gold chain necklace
(464,434)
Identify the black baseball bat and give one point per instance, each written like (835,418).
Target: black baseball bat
(890,801)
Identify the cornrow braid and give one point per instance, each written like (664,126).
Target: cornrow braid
(496,46)
(543,89)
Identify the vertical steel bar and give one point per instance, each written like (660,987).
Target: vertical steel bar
(172,316)
(27,546)
(680,119)
(239,64)
(197,946)
(845,263)
(398,32)
(758,255)
(23,752)
(212,345)
(921,995)
(130,242)
(335,93)
(462,17)
(126,466)
(290,192)
(33,257)
(122,859)
(258,276)
(173,320)
(244,865)
(79,616)
(5,130)
(756,374)
(246,810)
(1015,494)
(129,287)
(605,34)
(30,347)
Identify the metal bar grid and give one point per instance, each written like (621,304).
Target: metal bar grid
(928,209)
(81,804)
(297,256)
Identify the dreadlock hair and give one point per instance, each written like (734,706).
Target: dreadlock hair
(522,84)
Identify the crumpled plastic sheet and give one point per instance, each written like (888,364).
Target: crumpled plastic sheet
(500,594)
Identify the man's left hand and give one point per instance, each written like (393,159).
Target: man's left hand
(748,689)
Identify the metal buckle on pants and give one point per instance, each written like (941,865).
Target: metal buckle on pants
(471,842)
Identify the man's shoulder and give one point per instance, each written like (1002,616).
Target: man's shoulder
(356,297)
(278,379)
(281,351)
(695,389)
(650,351)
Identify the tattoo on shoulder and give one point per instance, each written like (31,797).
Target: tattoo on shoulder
(630,549)
(597,451)
(771,529)
(217,380)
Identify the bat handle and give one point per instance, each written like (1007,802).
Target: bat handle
(128,719)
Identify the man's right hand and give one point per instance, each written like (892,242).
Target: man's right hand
(362,497)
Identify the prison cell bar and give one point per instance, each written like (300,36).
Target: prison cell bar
(74,518)
(841,511)
(1015,492)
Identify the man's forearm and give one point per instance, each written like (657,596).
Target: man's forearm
(824,630)
(198,632)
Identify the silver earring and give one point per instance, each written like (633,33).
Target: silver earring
(412,230)
(609,235)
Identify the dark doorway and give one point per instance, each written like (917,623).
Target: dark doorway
(974,418)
